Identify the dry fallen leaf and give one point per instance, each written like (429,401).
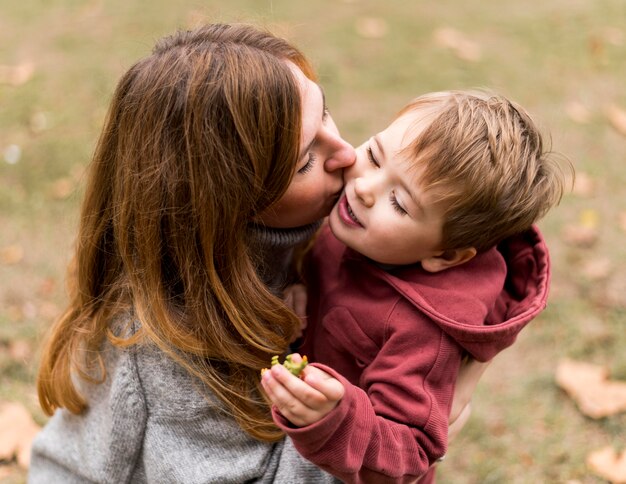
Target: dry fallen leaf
(613,36)
(447,37)
(63,188)
(608,464)
(468,50)
(597,49)
(12,154)
(589,218)
(615,291)
(16,75)
(584,185)
(617,118)
(577,112)
(196,18)
(91,9)
(589,386)
(49,311)
(38,122)
(622,221)
(585,232)
(47,287)
(11,254)
(458,42)
(371,27)
(20,350)
(17,431)
(597,269)
(579,236)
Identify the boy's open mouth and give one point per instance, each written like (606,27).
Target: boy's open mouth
(346,214)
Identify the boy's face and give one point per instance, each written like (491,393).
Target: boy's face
(384,213)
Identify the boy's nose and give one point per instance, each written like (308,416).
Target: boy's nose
(363,191)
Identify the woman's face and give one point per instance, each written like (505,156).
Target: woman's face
(318,180)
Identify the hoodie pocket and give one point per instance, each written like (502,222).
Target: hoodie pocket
(349,348)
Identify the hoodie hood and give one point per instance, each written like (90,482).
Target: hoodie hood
(484,303)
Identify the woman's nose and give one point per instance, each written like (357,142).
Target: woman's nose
(363,191)
(342,155)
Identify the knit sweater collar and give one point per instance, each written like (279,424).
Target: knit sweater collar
(273,251)
(282,238)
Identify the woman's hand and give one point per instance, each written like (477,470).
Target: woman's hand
(306,400)
(295,297)
(469,375)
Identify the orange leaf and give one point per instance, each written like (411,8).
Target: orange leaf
(608,464)
(11,254)
(597,269)
(20,350)
(579,235)
(584,185)
(448,37)
(622,221)
(459,43)
(617,118)
(17,431)
(613,36)
(63,188)
(577,112)
(38,122)
(588,385)
(585,233)
(16,75)
(371,27)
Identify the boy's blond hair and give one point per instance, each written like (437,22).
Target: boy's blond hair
(485,156)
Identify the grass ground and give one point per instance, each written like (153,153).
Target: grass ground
(563,60)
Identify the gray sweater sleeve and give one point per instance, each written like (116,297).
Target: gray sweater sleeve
(149,422)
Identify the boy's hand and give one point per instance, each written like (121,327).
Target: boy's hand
(295,297)
(303,401)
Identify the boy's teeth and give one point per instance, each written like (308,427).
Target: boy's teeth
(351,213)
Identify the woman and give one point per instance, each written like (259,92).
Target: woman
(217,158)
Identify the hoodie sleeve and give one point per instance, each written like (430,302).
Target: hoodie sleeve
(395,425)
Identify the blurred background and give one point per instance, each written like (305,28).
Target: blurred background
(565,61)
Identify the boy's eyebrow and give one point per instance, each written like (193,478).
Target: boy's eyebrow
(380,146)
(324,115)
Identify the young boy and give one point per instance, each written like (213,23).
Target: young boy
(433,256)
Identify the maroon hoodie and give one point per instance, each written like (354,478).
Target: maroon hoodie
(396,338)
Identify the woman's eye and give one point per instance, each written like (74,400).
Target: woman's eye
(309,164)
(396,206)
(370,156)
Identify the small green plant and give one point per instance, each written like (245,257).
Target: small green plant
(294,368)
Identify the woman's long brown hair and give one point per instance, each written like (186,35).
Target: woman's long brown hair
(200,137)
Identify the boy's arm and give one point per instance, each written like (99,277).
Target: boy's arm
(469,376)
(397,425)
(356,445)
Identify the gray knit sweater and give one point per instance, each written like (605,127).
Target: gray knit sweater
(150,421)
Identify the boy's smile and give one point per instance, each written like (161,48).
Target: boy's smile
(346,214)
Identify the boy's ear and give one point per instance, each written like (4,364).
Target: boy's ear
(447,259)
